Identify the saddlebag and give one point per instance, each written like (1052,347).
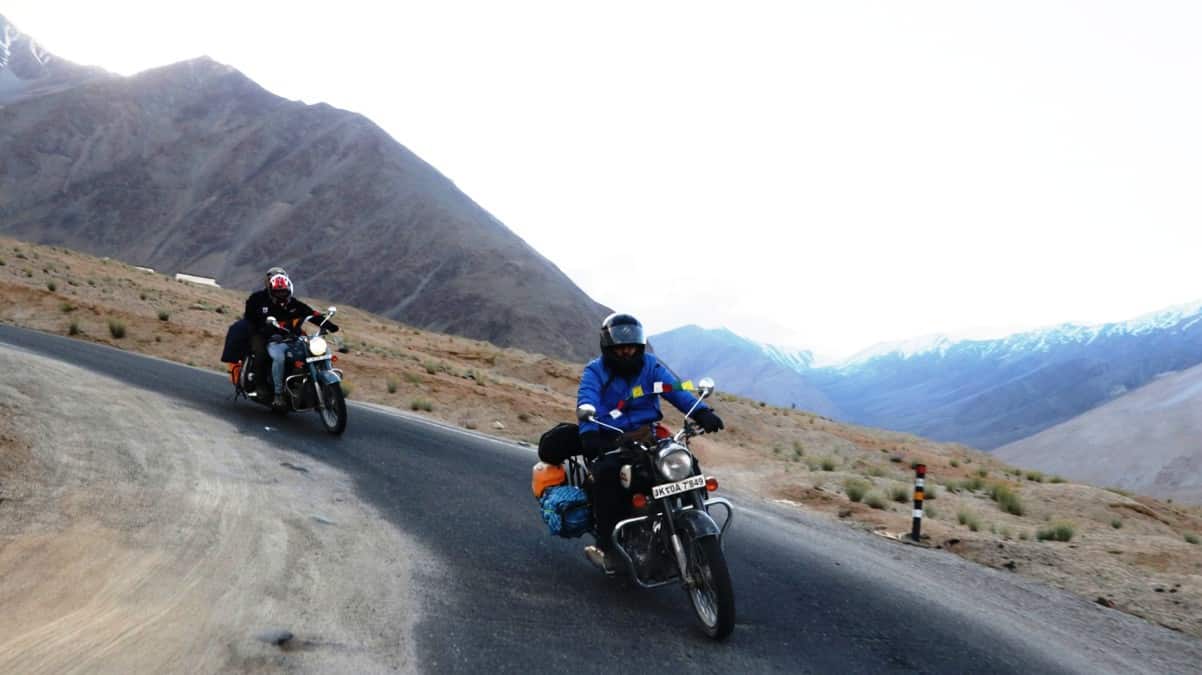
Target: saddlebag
(237,342)
(566,511)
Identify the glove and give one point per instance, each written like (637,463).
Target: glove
(708,420)
(331,327)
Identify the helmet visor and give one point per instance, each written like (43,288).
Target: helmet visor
(627,334)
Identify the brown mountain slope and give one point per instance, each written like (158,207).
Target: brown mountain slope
(195,168)
(1149,441)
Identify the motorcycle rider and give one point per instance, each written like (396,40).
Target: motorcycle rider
(608,383)
(268,341)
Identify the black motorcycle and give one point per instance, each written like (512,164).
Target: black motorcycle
(311,382)
(671,538)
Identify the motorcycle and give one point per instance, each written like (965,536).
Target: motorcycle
(672,538)
(311,382)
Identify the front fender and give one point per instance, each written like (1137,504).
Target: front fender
(326,375)
(696,523)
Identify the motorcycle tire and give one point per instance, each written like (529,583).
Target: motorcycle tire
(712,595)
(333,409)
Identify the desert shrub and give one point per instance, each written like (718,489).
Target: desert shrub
(899,494)
(828,464)
(798,449)
(51,286)
(391,386)
(73,329)
(974,484)
(1119,491)
(116,329)
(164,315)
(896,459)
(930,492)
(855,488)
(966,517)
(431,367)
(2,263)
(421,404)
(141,296)
(983,473)
(1116,523)
(66,307)
(220,310)
(1059,531)
(954,463)
(1192,538)
(1055,479)
(1024,536)
(412,378)
(875,471)
(1036,476)
(930,512)
(1006,499)
(875,500)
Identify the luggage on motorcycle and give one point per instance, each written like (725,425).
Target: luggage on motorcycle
(559,443)
(546,475)
(237,342)
(566,511)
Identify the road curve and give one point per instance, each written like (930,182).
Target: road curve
(812,596)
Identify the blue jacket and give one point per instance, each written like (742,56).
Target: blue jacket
(615,397)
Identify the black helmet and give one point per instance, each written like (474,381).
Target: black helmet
(622,329)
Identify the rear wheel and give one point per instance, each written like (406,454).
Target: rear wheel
(333,408)
(710,592)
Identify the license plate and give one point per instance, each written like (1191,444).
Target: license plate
(311,359)
(661,491)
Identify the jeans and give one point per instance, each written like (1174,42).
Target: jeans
(278,351)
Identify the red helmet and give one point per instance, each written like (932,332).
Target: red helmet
(280,287)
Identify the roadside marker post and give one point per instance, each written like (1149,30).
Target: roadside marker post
(920,477)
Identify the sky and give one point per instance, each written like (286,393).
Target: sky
(821,175)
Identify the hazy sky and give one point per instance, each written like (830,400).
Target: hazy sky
(825,175)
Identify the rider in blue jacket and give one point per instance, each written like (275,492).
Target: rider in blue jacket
(623,385)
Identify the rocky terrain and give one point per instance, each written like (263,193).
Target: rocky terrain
(195,168)
(1126,552)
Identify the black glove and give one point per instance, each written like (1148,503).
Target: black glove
(708,420)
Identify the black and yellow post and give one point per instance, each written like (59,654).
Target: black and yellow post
(920,477)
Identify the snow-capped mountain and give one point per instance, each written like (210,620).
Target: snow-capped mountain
(991,392)
(26,68)
(981,392)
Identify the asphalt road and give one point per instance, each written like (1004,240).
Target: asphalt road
(502,595)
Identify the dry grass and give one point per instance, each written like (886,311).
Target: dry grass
(785,454)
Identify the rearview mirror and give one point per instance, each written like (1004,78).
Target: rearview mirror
(706,385)
(272,321)
(332,309)
(585,412)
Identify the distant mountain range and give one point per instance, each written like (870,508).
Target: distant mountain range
(195,168)
(1148,441)
(740,366)
(984,393)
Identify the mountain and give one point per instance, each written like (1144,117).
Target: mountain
(1148,441)
(195,168)
(27,70)
(984,393)
(987,393)
(743,367)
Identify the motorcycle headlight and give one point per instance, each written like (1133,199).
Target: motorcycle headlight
(317,346)
(674,463)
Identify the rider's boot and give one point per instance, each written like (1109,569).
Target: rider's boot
(603,561)
(279,403)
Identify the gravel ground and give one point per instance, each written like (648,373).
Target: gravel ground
(140,535)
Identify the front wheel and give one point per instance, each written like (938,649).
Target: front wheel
(710,590)
(333,408)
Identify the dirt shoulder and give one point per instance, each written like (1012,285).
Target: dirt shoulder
(138,535)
